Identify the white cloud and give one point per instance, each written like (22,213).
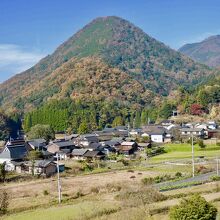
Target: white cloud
(15,59)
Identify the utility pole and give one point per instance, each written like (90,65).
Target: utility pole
(217,167)
(193,163)
(128,129)
(58,180)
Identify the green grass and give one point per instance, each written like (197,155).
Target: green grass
(82,211)
(181,151)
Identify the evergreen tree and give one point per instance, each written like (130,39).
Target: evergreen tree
(144,117)
(137,120)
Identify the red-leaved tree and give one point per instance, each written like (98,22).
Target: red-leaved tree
(197,109)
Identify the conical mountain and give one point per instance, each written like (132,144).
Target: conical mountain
(86,66)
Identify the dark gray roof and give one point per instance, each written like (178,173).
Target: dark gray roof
(79,152)
(121,133)
(64,143)
(41,163)
(93,153)
(14,152)
(192,129)
(89,137)
(94,145)
(112,143)
(154,130)
(66,151)
(136,130)
(37,142)
(121,127)
(108,130)
(143,144)
(46,153)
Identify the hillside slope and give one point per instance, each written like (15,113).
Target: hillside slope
(207,51)
(88,79)
(116,43)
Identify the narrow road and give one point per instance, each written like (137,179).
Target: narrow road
(199,178)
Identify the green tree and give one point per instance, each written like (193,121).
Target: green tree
(41,131)
(203,98)
(4,126)
(137,120)
(117,121)
(193,208)
(27,122)
(144,117)
(201,144)
(3,172)
(83,128)
(166,110)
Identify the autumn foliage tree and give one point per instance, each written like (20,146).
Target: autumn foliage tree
(196,109)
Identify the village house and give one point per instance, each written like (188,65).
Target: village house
(14,150)
(212,125)
(86,139)
(91,155)
(111,143)
(78,154)
(37,144)
(136,132)
(94,146)
(166,123)
(62,148)
(39,167)
(127,147)
(104,136)
(157,134)
(188,132)
(143,146)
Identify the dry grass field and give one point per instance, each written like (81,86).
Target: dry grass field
(107,193)
(104,196)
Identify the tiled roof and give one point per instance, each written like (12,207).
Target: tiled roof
(79,152)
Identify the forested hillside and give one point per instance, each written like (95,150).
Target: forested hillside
(206,52)
(131,67)
(83,117)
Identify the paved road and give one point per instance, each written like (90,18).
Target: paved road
(199,178)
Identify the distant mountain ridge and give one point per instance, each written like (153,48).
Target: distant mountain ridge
(206,51)
(117,46)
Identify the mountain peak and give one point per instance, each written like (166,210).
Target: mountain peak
(215,37)
(119,45)
(206,51)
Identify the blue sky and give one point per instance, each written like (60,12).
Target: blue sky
(31,29)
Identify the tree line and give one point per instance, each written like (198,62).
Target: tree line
(83,117)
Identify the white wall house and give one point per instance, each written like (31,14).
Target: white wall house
(158,138)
